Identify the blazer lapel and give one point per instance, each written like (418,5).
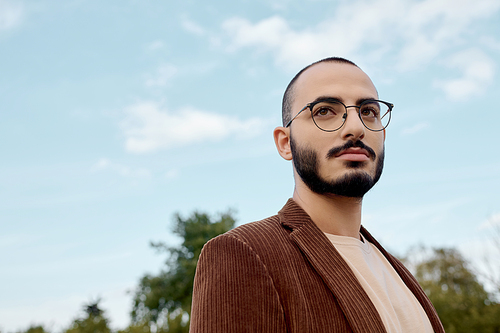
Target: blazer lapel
(353,300)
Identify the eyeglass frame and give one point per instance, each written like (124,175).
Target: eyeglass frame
(344,116)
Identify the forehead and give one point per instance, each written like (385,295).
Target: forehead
(344,81)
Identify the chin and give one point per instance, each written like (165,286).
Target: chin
(354,178)
(355,164)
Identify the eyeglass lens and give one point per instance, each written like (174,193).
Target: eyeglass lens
(330,115)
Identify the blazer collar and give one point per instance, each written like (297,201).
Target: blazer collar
(355,303)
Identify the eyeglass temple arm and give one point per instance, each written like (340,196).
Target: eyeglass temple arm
(305,107)
(390,109)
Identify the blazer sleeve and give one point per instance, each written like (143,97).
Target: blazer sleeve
(233,291)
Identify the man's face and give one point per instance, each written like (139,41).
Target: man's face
(346,162)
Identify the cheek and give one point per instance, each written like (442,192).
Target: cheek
(321,145)
(377,143)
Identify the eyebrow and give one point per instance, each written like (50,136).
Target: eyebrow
(341,100)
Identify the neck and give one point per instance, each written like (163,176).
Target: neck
(333,214)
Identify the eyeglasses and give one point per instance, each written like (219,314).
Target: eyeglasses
(329,114)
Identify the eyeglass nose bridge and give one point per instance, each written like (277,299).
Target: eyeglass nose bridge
(344,116)
(358,107)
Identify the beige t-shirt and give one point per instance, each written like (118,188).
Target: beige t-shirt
(399,309)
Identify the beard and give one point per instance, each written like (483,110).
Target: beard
(353,184)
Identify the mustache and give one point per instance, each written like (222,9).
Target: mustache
(351,144)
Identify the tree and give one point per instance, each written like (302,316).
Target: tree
(490,268)
(34,329)
(137,328)
(164,300)
(92,322)
(459,298)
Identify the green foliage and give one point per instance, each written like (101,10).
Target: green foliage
(490,262)
(34,329)
(165,324)
(93,321)
(137,328)
(459,298)
(164,300)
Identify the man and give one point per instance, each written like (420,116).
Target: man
(313,267)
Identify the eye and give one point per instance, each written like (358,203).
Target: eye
(323,111)
(371,110)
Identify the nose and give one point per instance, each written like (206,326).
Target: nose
(353,128)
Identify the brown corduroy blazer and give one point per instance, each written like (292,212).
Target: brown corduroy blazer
(282,274)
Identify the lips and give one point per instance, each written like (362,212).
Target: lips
(352,151)
(354,154)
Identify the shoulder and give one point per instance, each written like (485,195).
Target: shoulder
(264,233)
(264,240)
(248,231)
(233,289)
(241,252)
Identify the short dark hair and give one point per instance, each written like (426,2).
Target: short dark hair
(286,107)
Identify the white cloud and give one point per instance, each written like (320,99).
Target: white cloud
(477,70)
(490,43)
(415,129)
(412,32)
(122,170)
(11,14)
(163,75)
(192,27)
(290,48)
(171,174)
(10,241)
(148,127)
(492,222)
(155,45)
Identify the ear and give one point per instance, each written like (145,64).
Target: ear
(384,134)
(282,141)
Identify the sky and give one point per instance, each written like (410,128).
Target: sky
(115,115)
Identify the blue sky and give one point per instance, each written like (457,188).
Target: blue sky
(115,115)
